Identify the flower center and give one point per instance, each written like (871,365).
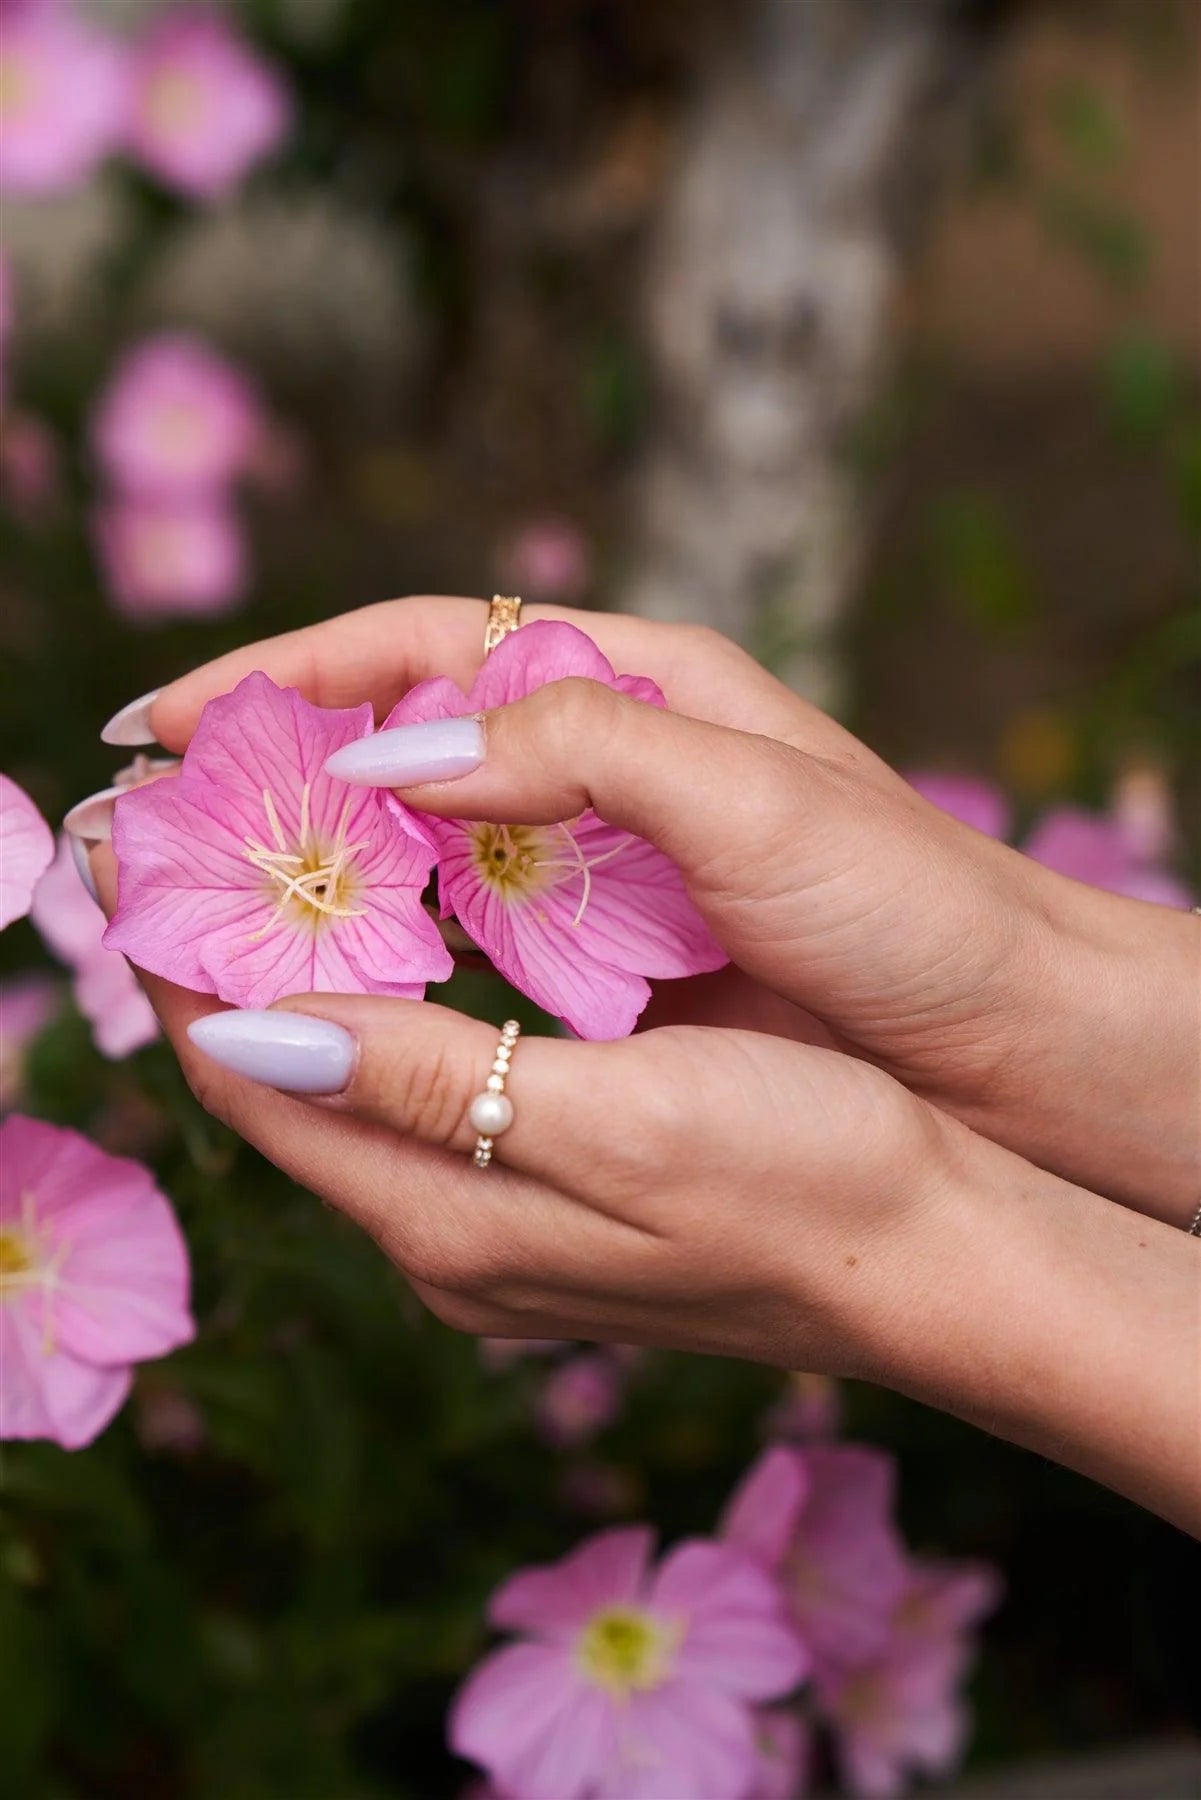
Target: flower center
(623,1649)
(315,881)
(516,861)
(176,427)
(16,1257)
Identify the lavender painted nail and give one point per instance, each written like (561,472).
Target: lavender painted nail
(132,724)
(434,750)
(281,1049)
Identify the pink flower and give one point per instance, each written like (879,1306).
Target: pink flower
(27,1005)
(253,874)
(105,988)
(93,1278)
(579,1398)
(204,107)
(810,1407)
(548,560)
(26,847)
(900,1712)
(1097,848)
(30,462)
(62,97)
(784,1745)
(944,1598)
(176,420)
(171,558)
(629,1683)
(574,915)
(821,1518)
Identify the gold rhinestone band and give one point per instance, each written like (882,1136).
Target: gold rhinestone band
(493,1099)
(504,616)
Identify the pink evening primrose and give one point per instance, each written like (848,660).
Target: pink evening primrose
(93,1278)
(821,1520)
(629,1683)
(204,107)
(176,419)
(166,559)
(579,1398)
(784,1745)
(575,915)
(252,873)
(104,987)
(26,849)
(27,1005)
(62,97)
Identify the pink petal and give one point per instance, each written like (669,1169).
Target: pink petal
(975,803)
(524,1712)
(1087,846)
(784,1744)
(26,850)
(176,418)
(557,1599)
(762,1514)
(52,1396)
(545,650)
(679,1740)
(737,1636)
(105,988)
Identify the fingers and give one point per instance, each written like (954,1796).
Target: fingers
(379,652)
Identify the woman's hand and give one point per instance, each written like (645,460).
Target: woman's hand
(1055,1019)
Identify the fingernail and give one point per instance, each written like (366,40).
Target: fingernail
(435,750)
(281,1049)
(79,853)
(93,818)
(132,724)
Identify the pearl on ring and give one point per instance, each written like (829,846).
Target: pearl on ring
(491,1114)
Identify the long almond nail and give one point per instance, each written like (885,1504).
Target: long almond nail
(434,750)
(281,1049)
(132,724)
(93,818)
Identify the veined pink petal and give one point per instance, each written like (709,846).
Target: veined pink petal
(554,1601)
(52,1396)
(682,1739)
(104,986)
(26,850)
(737,1636)
(764,1511)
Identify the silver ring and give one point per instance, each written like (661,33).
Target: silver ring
(492,1111)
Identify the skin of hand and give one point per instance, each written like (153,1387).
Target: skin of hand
(722,1191)
(1054,1019)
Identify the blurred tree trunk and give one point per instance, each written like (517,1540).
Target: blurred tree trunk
(808,160)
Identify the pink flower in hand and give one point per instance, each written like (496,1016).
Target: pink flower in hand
(176,420)
(252,873)
(93,1278)
(204,107)
(822,1519)
(62,97)
(105,988)
(26,847)
(629,1683)
(171,558)
(575,915)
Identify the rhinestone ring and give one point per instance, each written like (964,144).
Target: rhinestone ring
(492,1111)
(504,616)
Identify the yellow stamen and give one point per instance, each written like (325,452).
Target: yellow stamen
(624,1649)
(315,878)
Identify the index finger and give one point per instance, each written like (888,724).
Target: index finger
(379,652)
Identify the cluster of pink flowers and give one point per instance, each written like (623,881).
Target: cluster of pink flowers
(173,433)
(189,100)
(634,1683)
(254,873)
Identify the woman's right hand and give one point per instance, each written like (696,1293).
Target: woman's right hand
(1052,1018)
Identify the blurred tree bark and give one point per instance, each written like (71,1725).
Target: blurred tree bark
(807,162)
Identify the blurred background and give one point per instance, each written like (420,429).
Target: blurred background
(867,331)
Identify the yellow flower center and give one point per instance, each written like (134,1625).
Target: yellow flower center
(314,881)
(517,861)
(16,1256)
(623,1649)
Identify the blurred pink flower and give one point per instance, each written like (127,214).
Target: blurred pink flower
(171,558)
(574,915)
(784,1746)
(497,1353)
(105,988)
(93,1278)
(27,1005)
(548,560)
(898,1713)
(176,420)
(29,464)
(579,1398)
(26,848)
(629,1683)
(822,1519)
(204,106)
(252,873)
(810,1407)
(1120,851)
(62,97)
(943,1598)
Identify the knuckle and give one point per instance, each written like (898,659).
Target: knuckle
(208,1086)
(432,1092)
